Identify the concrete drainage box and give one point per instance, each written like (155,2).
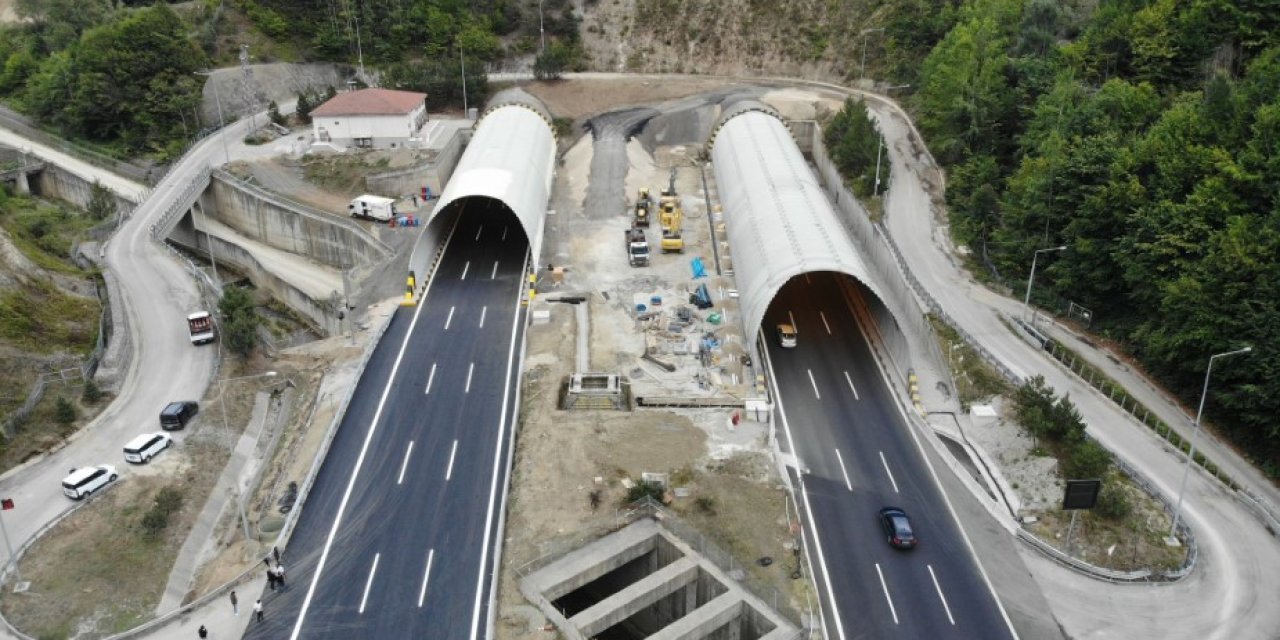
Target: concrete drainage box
(643,582)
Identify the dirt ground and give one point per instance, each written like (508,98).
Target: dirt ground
(575,99)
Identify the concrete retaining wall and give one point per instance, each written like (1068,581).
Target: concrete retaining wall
(57,183)
(433,173)
(289,226)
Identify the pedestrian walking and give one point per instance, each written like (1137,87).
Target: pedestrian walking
(267,561)
(280,574)
(275,551)
(257,609)
(235,604)
(203,632)
(271,579)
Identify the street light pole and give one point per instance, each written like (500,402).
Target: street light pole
(1026,302)
(876,190)
(1191,450)
(226,430)
(542,35)
(863,73)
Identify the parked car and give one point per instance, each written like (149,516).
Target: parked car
(141,449)
(786,336)
(85,480)
(897,528)
(176,415)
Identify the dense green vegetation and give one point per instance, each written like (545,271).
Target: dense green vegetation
(117,76)
(853,140)
(1145,136)
(239,320)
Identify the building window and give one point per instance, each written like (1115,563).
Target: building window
(364,143)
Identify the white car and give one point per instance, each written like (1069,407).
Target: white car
(86,480)
(786,336)
(141,449)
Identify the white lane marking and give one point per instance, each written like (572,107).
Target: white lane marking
(808,514)
(430,378)
(843,470)
(483,311)
(478,233)
(497,468)
(941,597)
(824,322)
(851,387)
(448,321)
(448,472)
(405,465)
(369,583)
(495,270)
(422,593)
(364,450)
(806,279)
(466,267)
(887,598)
(504,233)
(470,370)
(815,385)
(794,327)
(887,471)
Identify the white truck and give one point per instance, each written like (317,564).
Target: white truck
(373,208)
(202,328)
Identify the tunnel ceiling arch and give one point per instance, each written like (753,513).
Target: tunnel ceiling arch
(779,222)
(511,158)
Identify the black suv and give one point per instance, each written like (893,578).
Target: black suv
(176,415)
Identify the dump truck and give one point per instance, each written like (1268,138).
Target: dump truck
(643,208)
(373,208)
(671,217)
(637,247)
(202,328)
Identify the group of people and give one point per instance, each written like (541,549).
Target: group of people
(275,578)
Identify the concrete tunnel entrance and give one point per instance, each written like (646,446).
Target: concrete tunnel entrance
(505,171)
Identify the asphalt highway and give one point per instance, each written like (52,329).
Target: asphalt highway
(841,422)
(396,539)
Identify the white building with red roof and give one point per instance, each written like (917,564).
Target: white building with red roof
(370,119)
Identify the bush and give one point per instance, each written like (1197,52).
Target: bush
(1113,500)
(92,393)
(64,412)
(168,501)
(644,489)
(1087,459)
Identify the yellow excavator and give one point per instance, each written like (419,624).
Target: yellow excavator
(644,209)
(671,217)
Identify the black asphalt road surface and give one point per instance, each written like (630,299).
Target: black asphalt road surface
(859,456)
(396,539)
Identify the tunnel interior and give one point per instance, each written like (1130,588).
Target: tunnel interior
(491,210)
(799,300)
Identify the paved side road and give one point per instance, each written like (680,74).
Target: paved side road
(1231,593)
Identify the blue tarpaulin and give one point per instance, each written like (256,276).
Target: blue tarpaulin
(699,270)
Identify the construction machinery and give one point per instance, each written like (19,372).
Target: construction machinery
(637,248)
(671,217)
(643,209)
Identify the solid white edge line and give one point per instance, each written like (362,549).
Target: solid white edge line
(466,267)
(851,387)
(497,462)
(946,499)
(426,575)
(494,275)
(470,370)
(887,597)
(885,462)
(448,472)
(364,449)
(405,465)
(448,321)
(430,378)
(941,597)
(815,385)
(369,582)
(808,512)
(844,471)
(824,321)
(483,310)
(478,230)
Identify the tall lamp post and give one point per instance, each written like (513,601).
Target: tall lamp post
(226,429)
(1026,302)
(542,34)
(863,73)
(1177,510)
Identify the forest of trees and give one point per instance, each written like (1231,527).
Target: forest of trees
(1145,136)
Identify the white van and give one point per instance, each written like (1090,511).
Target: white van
(86,480)
(141,449)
